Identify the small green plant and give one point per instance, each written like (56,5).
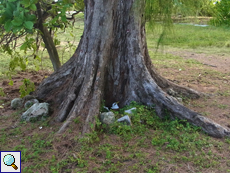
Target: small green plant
(77,120)
(26,87)
(206,113)
(227,44)
(222,106)
(224,93)
(2,93)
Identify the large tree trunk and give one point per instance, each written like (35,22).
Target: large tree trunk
(112,63)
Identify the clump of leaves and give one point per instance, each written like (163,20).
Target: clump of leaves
(221,16)
(26,87)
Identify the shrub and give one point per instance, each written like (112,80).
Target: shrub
(221,13)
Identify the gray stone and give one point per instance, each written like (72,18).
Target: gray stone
(107,117)
(36,112)
(179,100)
(28,97)
(16,103)
(171,92)
(30,103)
(130,111)
(106,108)
(125,119)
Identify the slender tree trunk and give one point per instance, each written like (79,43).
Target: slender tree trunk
(112,63)
(48,40)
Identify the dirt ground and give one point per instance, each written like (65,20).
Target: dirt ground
(13,91)
(216,107)
(212,78)
(219,62)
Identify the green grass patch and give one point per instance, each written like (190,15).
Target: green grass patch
(118,147)
(189,36)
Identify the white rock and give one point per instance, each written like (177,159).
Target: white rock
(36,112)
(106,108)
(125,119)
(130,111)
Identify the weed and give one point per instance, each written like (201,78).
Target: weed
(2,93)
(77,120)
(224,93)
(222,106)
(206,113)
(26,87)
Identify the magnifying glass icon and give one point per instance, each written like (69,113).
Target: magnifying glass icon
(9,160)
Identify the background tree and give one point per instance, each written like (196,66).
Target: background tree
(112,63)
(33,20)
(221,13)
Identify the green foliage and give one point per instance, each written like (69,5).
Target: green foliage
(79,5)
(162,10)
(26,87)
(222,13)
(145,118)
(29,44)
(195,7)
(16,15)
(17,61)
(19,18)
(2,93)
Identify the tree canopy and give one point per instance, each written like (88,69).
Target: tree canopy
(32,19)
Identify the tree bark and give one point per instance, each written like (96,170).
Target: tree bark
(48,40)
(112,63)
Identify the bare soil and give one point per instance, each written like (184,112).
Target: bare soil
(220,62)
(212,77)
(13,91)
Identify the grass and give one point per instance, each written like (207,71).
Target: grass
(189,36)
(150,145)
(207,40)
(154,145)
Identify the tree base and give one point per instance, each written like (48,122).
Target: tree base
(112,63)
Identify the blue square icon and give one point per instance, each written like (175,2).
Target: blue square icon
(10,161)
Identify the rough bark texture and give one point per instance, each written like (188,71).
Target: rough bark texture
(48,40)
(112,63)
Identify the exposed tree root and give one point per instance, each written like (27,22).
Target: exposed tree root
(112,63)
